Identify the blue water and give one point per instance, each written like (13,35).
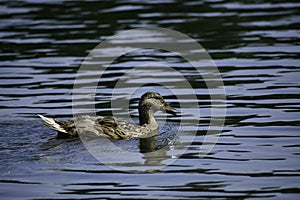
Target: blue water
(255,45)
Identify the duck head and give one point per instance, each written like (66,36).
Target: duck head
(152,102)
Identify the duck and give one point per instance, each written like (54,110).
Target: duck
(111,127)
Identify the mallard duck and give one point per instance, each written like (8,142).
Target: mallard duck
(111,127)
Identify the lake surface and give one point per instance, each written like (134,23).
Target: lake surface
(256,47)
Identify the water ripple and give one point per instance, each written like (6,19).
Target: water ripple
(255,46)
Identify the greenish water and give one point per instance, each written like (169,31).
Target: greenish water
(255,45)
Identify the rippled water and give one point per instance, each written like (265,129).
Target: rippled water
(255,45)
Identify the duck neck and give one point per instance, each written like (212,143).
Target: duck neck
(146,116)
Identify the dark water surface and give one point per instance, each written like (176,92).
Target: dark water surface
(256,47)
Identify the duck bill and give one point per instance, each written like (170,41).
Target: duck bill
(170,110)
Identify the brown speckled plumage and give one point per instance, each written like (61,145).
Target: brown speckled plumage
(111,127)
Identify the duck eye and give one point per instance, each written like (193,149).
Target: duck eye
(158,98)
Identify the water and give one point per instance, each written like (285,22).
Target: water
(255,45)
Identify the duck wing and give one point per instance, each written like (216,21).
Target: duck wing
(110,127)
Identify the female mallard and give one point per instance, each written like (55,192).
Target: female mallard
(111,127)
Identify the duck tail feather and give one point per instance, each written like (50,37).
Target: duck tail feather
(51,123)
